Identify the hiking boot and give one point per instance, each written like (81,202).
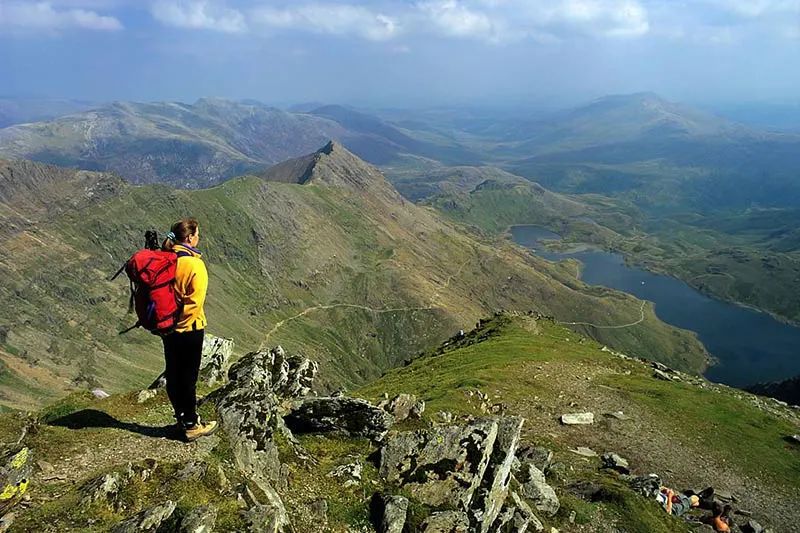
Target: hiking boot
(201,429)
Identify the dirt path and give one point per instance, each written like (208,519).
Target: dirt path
(322,307)
(621,326)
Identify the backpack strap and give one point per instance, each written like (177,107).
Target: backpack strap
(183,253)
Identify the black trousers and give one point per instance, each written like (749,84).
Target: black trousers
(182,352)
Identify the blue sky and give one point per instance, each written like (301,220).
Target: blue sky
(401,52)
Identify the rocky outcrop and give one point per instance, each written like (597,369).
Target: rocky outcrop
(340,415)
(441,466)
(215,359)
(249,409)
(148,520)
(494,487)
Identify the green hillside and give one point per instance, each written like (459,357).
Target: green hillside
(341,268)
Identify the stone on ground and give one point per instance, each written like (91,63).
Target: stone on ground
(536,489)
(200,519)
(389,513)
(612,461)
(577,419)
(446,522)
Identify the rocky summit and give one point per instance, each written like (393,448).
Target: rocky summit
(413,451)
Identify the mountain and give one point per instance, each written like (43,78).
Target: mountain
(321,255)
(476,434)
(22,110)
(199,144)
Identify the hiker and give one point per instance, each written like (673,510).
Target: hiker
(183,346)
(676,504)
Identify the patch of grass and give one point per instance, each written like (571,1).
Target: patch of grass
(721,423)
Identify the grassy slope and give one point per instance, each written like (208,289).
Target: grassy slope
(274,251)
(694,434)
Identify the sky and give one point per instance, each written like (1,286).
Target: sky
(401,52)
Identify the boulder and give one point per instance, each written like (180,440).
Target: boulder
(417,409)
(613,461)
(494,488)
(264,519)
(148,520)
(100,394)
(572,419)
(441,466)
(400,406)
(446,522)
(389,513)
(200,519)
(102,488)
(215,359)
(535,488)
(351,417)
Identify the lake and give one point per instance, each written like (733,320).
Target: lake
(751,346)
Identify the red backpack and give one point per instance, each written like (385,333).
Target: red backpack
(152,277)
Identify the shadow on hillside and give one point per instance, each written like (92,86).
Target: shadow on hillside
(92,418)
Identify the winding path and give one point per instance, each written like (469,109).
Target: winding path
(434,297)
(641,319)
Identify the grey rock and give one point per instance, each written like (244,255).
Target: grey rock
(417,409)
(200,519)
(100,394)
(104,487)
(264,519)
(441,466)
(15,474)
(659,374)
(795,439)
(351,417)
(577,419)
(148,520)
(618,415)
(446,522)
(535,488)
(215,359)
(400,406)
(613,461)
(145,395)
(539,456)
(389,513)
(524,519)
(192,470)
(583,451)
(494,488)
(648,486)
(350,473)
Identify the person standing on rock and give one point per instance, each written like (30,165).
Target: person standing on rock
(183,347)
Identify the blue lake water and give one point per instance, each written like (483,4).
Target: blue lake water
(751,346)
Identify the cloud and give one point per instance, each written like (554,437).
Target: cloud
(332,19)
(454,19)
(199,14)
(44,16)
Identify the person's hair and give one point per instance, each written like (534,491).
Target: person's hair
(182,229)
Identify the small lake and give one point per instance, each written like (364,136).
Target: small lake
(751,346)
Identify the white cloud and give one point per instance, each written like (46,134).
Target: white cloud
(756,8)
(608,18)
(44,16)
(199,14)
(333,19)
(455,19)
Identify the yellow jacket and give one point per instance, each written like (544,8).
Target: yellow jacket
(191,284)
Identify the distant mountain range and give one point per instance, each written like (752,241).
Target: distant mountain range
(22,110)
(203,143)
